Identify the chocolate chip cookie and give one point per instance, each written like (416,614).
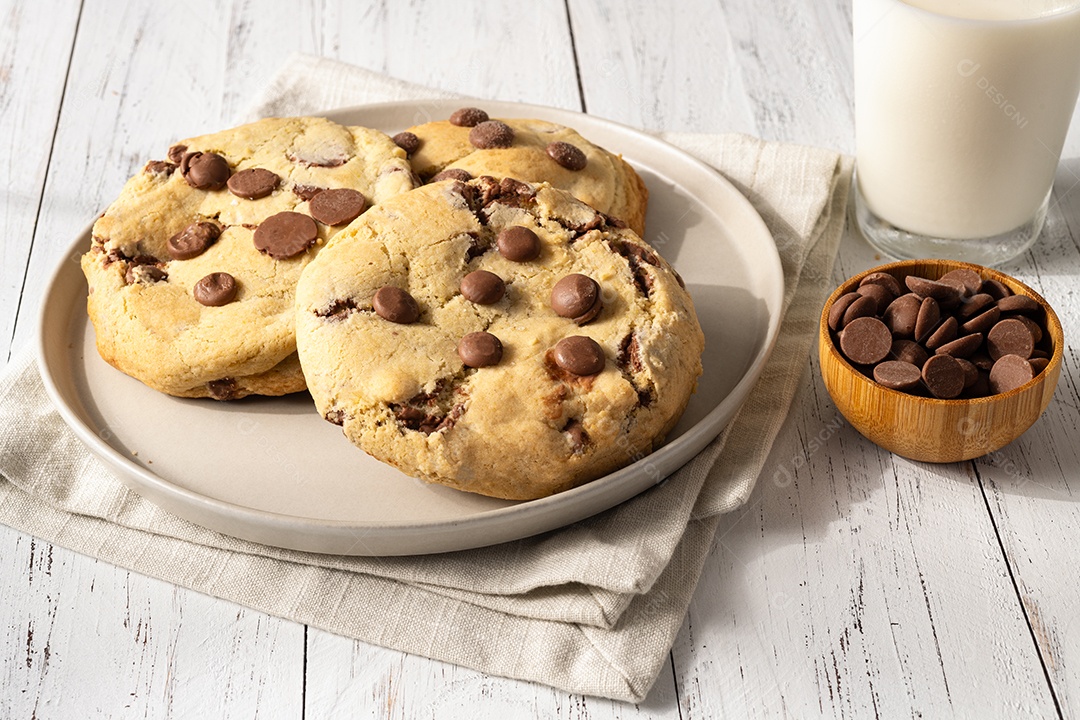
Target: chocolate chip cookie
(470,144)
(192,270)
(498,337)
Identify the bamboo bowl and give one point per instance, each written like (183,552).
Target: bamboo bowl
(925,428)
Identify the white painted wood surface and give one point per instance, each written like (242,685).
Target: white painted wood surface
(853,584)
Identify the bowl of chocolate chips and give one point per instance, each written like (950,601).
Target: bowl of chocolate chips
(939,360)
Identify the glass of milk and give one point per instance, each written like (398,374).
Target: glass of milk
(961,111)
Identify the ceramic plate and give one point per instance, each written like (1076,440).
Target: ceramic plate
(272,471)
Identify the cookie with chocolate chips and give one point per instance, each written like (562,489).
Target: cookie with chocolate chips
(532,150)
(192,270)
(498,337)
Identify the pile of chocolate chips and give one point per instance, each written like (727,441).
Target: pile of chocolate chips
(959,336)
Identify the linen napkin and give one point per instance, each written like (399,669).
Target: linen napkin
(592,608)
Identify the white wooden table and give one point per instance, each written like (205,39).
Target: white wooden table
(854,584)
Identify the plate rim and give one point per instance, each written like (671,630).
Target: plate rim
(232,512)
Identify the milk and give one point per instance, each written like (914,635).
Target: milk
(959,121)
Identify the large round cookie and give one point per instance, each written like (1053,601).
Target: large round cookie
(539,419)
(606,181)
(148,320)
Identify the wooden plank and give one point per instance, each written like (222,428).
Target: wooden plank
(35,43)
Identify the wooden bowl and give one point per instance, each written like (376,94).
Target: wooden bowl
(925,428)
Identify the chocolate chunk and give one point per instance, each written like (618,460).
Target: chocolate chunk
(946,332)
(518,243)
(839,307)
(306,192)
(1010,372)
(971,373)
(453,174)
(577,297)
(969,280)
(908,351)
(176,153)
(1009,337)
(1018,303)
(480,349)
(863,306)
(897,375)
(253,183)
(928,318)
(216,289)
(491,134)
(159,167)
(579,355)
(942,292)
(337,207)
(943,376)
(995,289)
(865,340)
(575,433)
(483,287)
(961,347)
(881,295)
(569,156)
(396,305)
(223,389)
(205,171)
(885,280)
(192,241)
(902,314)
(140,274)
(285,235)
(468,117)
(974,305)
(407,141)
(982,322)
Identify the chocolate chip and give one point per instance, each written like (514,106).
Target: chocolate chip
(886,280)
(866,340)
(407,141)
(577,297)
(139,274)
(968,279)
(974,305)
(337,207)
(897,375)
(971,373)
(1032,326)
(176,153)
(483,287)
(881,295)
(223,389)
(629,358)
(946,332)
(216,289)
(468,117)
(1009,337)
(575,433)
(908,351)
(396,305)
(205,171)
(1038,364)
(338,309)
(961,347)
(569,156)
(927,320)
(192,241)
(285,235)
(253,183)
(306,192)
(902,314)
(159,167)
(942,292)
(982,361)
(336,416)
(863,306)
(491,134)
(453,174)
(943,376)
(480,349)
(982,322)
(518,243)
(839,307)
(1010,372)
(1018,303)
(579,355)
(995,289)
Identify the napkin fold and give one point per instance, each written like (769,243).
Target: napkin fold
(592,608)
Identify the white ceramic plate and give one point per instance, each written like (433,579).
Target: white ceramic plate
(272,471)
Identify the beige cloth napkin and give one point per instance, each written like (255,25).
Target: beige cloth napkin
(592,608)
